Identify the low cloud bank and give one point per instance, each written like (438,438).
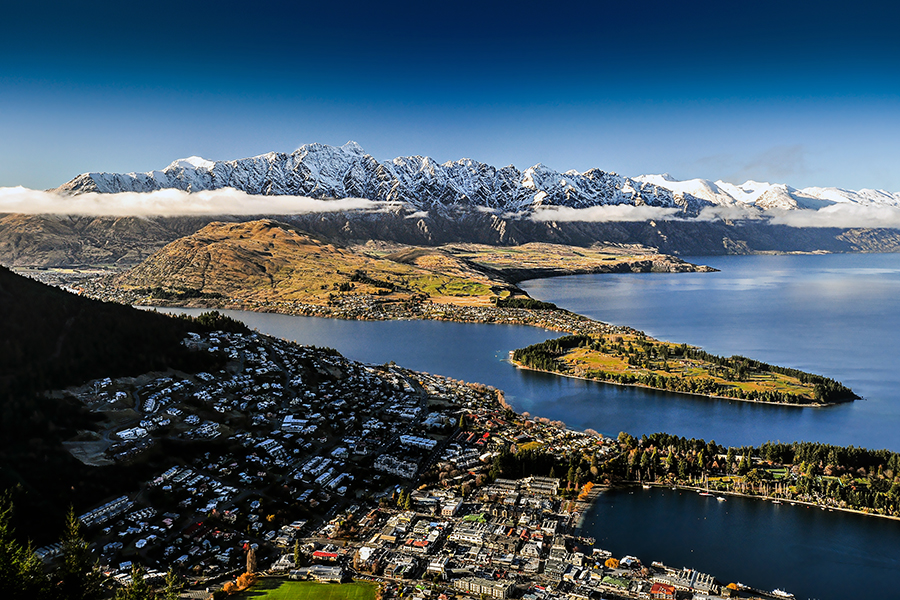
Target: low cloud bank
(171,203)
(841,215)
(729,213)
(229,201)
(613,212)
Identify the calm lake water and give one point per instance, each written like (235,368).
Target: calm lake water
(807,551)
(837,315)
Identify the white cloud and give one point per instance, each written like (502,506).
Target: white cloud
(840,215)
(171,202)
(614,212)
(228,201)
(728,213)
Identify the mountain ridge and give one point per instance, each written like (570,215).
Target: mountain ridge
(331,172)
(321,171)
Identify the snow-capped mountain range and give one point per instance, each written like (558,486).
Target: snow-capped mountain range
(321,171)
(769,195)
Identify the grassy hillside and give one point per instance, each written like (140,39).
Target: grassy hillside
(266,261)
(539,259)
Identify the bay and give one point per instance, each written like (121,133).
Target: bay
(807,551)
(836,315)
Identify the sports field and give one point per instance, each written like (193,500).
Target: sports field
(282,589)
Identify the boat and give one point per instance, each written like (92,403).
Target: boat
(646,486)
(781,593)
(776,501)
(720,498)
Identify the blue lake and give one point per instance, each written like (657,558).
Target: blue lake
(837,315)
(807,551)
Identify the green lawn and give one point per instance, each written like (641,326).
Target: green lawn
(283,589)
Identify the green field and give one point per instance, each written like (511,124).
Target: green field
(282,589)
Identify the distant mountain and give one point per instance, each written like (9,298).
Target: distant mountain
(767,196)
(420,183)
(71,240)
(321,171)
(457,201)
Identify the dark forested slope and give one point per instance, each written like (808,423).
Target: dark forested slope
(50,339)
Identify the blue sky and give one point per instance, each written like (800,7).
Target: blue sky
(790,92)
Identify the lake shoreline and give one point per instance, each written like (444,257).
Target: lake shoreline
(559,320)
(770,499)
(647,387)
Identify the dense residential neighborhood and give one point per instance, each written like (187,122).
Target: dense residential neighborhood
(330,470)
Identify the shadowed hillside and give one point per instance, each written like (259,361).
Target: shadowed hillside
(51,339)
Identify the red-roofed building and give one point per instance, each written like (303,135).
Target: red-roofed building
(662,590)
(322,555)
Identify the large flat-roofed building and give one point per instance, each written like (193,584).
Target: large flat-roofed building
(477,585)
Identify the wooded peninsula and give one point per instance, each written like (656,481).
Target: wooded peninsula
(633,358)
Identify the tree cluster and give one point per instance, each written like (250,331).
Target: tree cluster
(76,576)
(844,476)
(648,354)
(529,303)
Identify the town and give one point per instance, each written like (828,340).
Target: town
(328,469)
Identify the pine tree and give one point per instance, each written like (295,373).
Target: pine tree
(296,553)
(78,575)
(21,572)
(173,586)
(137,588)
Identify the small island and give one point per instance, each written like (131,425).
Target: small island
(633,358)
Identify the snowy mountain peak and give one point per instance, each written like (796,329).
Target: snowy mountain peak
(322,171)
(193,162)
(352,147)
(328,172)
(765,195)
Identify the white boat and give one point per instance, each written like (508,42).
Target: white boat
(782,593)
(720,498)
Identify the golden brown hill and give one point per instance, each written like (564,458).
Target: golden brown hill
(268,262)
